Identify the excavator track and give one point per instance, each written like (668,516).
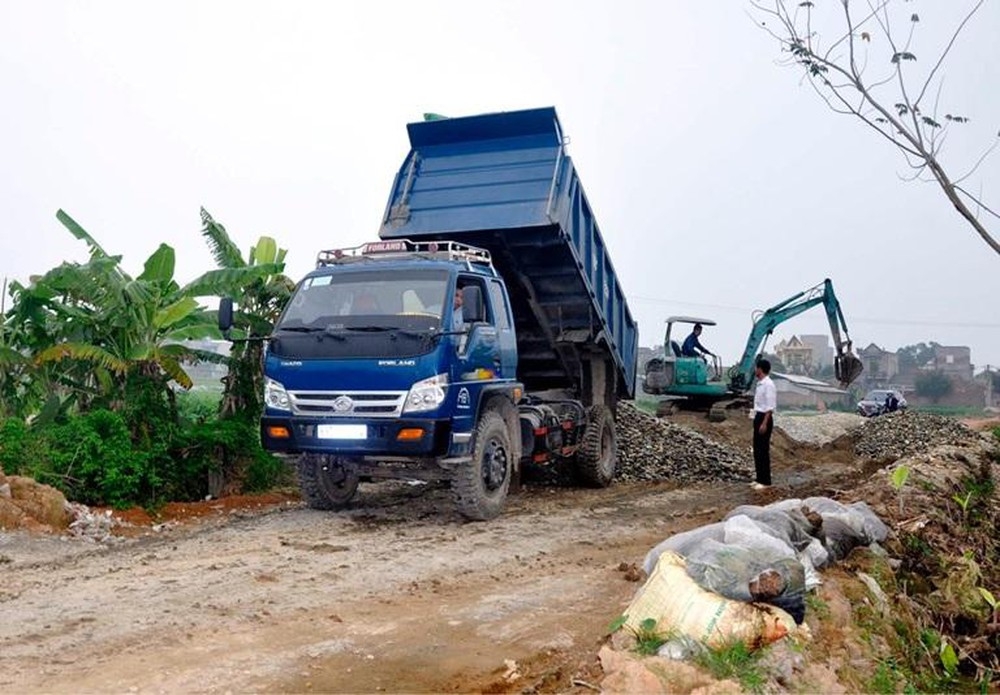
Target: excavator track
(723,410)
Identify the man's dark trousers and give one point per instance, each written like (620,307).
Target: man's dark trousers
(762,448)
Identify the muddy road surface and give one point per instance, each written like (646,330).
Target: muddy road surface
(396,594)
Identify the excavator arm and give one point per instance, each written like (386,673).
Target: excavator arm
(847,366)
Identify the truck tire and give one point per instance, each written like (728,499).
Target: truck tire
(325,482)
(597,456)
(481,485)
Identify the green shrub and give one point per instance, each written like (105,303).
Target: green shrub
(267,471)
(95,454)
(19,447)
(90,458)
(94,459)
(232,448)
(197,406)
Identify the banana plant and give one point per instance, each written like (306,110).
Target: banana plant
(91,327)
(261,291)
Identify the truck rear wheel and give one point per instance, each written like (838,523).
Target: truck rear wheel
(597,457)
(481,485)
(326,483)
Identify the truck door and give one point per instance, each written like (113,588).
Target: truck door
(505,330)
(479,355)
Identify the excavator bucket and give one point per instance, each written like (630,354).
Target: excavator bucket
(847,368)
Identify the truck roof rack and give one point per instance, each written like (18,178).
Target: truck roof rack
(404,248)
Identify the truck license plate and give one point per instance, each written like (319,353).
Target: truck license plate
(341,431)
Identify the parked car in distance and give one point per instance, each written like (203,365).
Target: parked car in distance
(874,402)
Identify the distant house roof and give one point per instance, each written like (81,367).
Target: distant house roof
(872,348)
(808,383)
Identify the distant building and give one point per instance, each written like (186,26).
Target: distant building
(953,360)
(822,350)
(796,356)
(988,378)
(796,391)
(881,366)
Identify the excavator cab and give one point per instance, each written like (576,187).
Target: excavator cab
(676,370)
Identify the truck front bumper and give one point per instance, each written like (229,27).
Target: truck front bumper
(404,437)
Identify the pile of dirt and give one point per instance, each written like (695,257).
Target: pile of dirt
(936,589)
(650,449)
(26,503)
(894,435)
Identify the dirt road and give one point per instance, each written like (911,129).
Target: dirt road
(398,594)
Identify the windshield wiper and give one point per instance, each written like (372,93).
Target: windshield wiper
(301,329)
(396,330)
(326,330)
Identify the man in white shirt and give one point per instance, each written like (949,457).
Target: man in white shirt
(765,400)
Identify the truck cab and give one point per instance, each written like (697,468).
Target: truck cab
(372,355)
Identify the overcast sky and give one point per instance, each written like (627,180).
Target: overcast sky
(720,181)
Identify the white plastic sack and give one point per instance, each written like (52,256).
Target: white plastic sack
(683,543)
(790,524)
(681,607)
(746,533)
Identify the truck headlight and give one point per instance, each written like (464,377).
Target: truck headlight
(275,395)
(427,394)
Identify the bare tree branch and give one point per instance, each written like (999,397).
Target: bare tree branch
(838,77)
(947,49)
(977,201)
(979,161)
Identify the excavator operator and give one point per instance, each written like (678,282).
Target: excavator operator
(692,347)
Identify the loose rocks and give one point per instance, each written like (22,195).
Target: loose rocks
(817,429)
(92,526)
(650,449)
(894,435)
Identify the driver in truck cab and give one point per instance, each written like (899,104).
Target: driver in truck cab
(457,320)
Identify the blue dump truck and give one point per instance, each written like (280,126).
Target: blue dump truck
(484,331)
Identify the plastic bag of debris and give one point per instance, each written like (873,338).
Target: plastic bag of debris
(683,543)
(743,560)
(790,525)
(844,527)
(751,564)
(681,607)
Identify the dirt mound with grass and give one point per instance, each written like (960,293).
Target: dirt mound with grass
(926,608)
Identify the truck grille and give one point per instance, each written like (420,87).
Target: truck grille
(348,403)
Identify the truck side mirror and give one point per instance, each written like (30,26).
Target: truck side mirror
(225,314)
(472,304)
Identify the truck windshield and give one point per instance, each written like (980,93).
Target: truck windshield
(411,300)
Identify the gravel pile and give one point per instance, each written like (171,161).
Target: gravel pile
(899,434)
(817,428)
(650,449)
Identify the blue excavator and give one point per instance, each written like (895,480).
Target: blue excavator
(697,383)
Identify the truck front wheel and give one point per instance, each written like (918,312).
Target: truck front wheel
(598,454)
(326,483)
(481,485)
